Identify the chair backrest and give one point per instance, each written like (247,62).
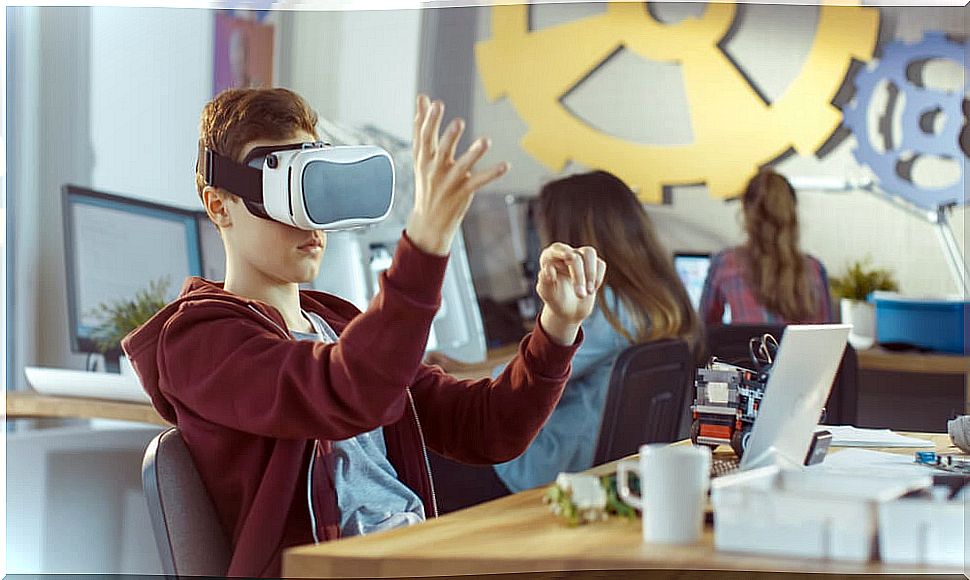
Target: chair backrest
(730,344)
(843,404)
(646,400)
(190,539)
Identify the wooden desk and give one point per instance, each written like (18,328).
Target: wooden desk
(519,534)
(31,405)
(880,359)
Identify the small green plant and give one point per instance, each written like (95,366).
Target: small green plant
(560,500)
(119,318)
(861,279)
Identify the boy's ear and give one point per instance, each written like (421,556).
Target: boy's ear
(216,201)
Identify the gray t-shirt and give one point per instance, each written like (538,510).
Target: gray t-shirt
(370,496)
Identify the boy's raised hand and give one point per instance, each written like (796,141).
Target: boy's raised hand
(443,186)
(569,279)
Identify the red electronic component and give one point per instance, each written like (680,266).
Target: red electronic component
(718,431)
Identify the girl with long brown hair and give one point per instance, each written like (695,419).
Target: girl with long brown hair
(642,300)
(767,279)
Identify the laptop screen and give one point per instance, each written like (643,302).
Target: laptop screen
(692,270)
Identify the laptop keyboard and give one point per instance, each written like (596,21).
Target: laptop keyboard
(724,466)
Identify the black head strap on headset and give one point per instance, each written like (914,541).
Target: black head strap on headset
(246,179)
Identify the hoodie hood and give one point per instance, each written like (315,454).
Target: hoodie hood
(142,344)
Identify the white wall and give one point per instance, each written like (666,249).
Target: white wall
(770,41)
(54,81)
(114,95)
(313,53)
(151,73)
(378,72)
(23,74)
(357,67)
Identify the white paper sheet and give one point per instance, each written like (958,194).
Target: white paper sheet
(849,436)
(870,463)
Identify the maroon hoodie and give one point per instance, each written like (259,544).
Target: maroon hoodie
(250,401)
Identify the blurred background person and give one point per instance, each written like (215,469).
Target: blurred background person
(643,300)
(767,280)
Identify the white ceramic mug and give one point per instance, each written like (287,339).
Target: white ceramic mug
(674,480)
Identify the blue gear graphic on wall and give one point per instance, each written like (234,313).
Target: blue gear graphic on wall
(896,58)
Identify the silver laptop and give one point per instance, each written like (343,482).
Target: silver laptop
(798,386)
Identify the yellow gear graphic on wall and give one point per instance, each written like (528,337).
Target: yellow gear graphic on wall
(734,130)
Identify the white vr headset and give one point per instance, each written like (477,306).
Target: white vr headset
(311,186)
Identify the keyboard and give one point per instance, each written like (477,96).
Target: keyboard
(724,466)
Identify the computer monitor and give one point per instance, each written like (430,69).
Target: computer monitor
(213,252)
(692,269)
(115,246)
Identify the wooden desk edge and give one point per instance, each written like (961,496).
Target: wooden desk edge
(32,405)
(301,565)
(879,359)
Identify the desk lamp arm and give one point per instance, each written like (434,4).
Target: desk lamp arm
(954,257)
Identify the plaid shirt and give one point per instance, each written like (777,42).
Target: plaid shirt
(727,284)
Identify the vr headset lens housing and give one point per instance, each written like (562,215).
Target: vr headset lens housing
(310,185)
(337,193)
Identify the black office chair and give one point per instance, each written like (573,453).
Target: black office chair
(647,398)
(730,344)
(190,539)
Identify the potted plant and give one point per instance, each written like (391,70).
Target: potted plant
(119,318)
(853,289)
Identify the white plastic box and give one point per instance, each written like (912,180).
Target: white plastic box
(803,514)
(923,531)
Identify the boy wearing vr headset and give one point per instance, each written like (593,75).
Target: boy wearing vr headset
(307,419)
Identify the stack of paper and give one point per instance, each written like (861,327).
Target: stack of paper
(872,463)
(849,436)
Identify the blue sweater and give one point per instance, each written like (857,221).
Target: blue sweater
(567,442)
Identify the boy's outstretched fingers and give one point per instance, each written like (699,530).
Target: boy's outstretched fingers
(449,141)
(419,116)
(483,178)
(443,187)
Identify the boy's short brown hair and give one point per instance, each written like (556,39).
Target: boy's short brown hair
(236,117)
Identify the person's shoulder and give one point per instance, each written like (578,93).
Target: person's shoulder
(727,260)
(727,255)
(814,263)
(597,327)
(196,311)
